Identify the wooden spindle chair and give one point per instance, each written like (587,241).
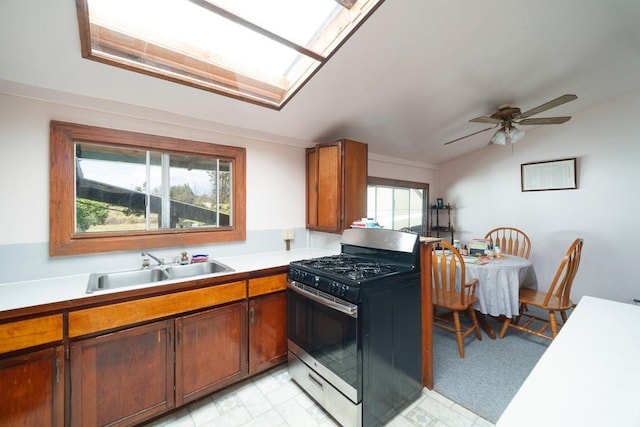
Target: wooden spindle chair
(511,240)
(556,298)
(453,296)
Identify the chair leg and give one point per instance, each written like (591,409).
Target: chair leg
(516,319)
(563,314)
(474,319)
(505,326)
(554,324)
(456,321)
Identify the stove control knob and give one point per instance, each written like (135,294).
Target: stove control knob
(343,290)
(333,287)
(316,281)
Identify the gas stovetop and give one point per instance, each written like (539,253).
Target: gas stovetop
(349,267)
(345,276)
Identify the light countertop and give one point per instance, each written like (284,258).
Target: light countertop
(58,289)
(588,376)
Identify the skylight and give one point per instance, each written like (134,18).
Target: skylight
(255,50)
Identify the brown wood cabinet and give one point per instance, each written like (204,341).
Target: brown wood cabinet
(267,331)
(209,351)
(267,322)
(336,185)
(123,377)
(132,358)
(32,389)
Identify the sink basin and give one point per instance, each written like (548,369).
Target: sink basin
(121,279)
(196,269)
(124,279)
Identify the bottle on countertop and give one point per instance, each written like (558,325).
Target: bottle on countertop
(464,251)
(496,249)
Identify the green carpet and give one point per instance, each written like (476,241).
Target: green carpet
(492,371)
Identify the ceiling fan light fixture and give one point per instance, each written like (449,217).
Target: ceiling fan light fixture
(516,135)
(499,138)
(507,135)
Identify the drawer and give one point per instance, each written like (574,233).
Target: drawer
(267,284)
(111,316)
(30,332)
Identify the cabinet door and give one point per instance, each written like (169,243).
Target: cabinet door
(312,188)
(329,187)
(209,351)
(336,185)
(124,377)
(32,389)
(267,331)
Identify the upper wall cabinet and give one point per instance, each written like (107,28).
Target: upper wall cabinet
(336,185)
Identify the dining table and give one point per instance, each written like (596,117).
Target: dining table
(499,283)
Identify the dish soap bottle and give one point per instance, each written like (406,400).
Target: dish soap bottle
(497,251)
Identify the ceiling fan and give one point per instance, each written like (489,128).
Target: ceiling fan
(507,117)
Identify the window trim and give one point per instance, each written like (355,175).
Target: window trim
(63,239)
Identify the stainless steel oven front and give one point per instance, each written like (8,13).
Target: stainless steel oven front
(325,350)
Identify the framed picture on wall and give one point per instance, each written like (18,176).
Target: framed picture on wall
(549,175)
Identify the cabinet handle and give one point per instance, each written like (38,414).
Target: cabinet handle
(252,315)
(57,369)
(170,333)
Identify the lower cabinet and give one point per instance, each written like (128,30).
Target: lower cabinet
(124,377)
(267,331)
(209,351)
(32,389)
(129,376)
(267,322)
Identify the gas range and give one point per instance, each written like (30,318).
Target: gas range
(344,275)
(369,258)
(354,322)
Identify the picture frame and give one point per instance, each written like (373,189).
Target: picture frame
(440,203)
(549,175)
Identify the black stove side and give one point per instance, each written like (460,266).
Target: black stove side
(392,357)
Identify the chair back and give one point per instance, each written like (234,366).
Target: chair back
(563,280)
(511,240)
(447,291)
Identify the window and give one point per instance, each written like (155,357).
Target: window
(117,190)
(256,50)
(398,205)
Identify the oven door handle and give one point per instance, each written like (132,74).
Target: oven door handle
(346,308)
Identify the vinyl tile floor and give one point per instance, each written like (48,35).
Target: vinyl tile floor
(273,399)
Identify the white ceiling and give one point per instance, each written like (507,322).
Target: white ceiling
(408,81)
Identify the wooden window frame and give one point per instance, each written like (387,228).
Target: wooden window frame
(64,240)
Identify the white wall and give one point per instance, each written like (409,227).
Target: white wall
(275,186)
(273,171)
(484,186)
(275,183)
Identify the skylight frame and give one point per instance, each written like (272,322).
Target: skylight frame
(106,43)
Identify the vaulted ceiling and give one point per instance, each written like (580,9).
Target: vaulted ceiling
(408,81)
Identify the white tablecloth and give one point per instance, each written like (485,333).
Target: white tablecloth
(499,283)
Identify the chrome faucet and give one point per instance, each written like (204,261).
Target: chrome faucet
(145,262)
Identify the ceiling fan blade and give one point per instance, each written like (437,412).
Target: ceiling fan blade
(548,105)
(545,120)
(484,119)
(471,134)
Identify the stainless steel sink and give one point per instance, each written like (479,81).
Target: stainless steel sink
(123,279)
(196,269)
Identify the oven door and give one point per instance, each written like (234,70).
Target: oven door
(324,332)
